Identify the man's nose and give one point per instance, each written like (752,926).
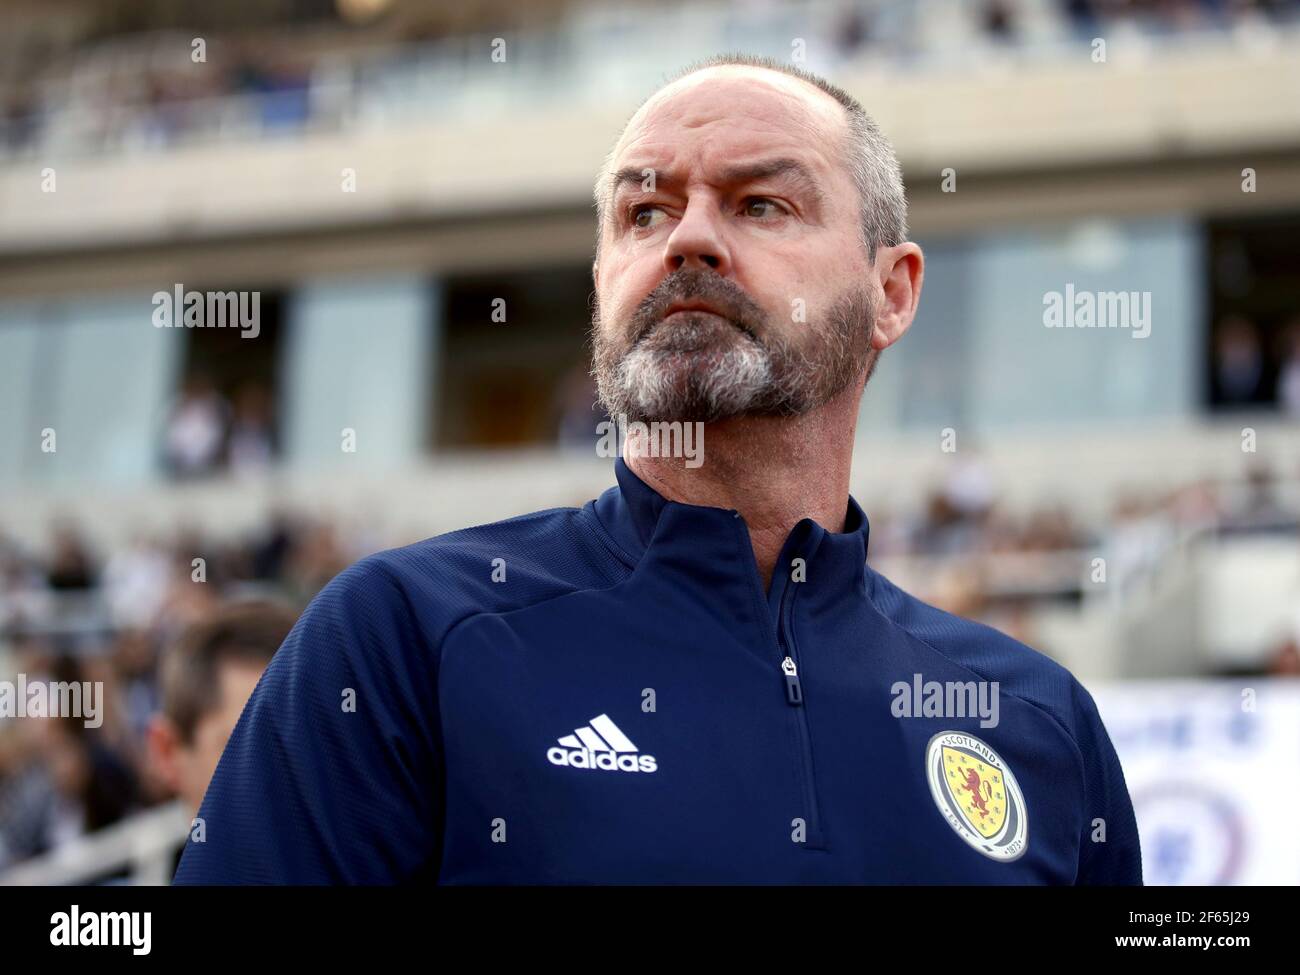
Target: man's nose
(698,240)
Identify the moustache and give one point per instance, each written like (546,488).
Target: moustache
(724,297)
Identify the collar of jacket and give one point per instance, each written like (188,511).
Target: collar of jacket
(699,540)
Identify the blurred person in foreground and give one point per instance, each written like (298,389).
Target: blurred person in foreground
(696,677)
(91,784)
(207,676)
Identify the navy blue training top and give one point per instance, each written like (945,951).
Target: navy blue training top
(609,695)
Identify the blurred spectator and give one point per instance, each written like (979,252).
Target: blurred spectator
(1259,509)
(196,430)
(207,677)
(18,121)
(1136,539)
(852,31)
(1238,363)
(251,443)
(969,488)
(1288,379)
(26,796)
(132,679)
(71,566)
(1195,506)
(998,20)
(23,589)
(317,559)
(268,557)
(956,516)
(135,582)
(93,787)
(942,530)
(1286,660)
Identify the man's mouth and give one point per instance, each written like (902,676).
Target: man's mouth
(682,306)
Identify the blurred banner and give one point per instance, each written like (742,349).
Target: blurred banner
(1211,767)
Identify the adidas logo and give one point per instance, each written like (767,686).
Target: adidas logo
(600,745)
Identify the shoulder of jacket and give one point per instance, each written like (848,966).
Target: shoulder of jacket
(990,654)
(490,568)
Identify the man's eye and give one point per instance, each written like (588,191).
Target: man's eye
(761,206)
(644,216)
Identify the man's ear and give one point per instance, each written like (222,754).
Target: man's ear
(164,745)
(902,270)
(595,270)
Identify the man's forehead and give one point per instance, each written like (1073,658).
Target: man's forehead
(776,101)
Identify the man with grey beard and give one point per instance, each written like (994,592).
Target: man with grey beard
(695,678)
(759,371)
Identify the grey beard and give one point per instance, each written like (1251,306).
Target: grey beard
(705,368)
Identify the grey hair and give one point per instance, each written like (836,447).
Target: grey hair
(872,163)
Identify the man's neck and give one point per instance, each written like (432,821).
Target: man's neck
(774,470)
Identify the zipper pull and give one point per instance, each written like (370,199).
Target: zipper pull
(793,689)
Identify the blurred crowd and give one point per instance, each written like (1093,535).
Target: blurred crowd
(74,614)
(969,552)
(964,515)
(143,102)
(120,87)
(889,25)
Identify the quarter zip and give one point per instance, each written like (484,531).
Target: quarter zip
(795,698)
(781,631)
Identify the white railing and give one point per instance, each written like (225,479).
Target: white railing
(144,846)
